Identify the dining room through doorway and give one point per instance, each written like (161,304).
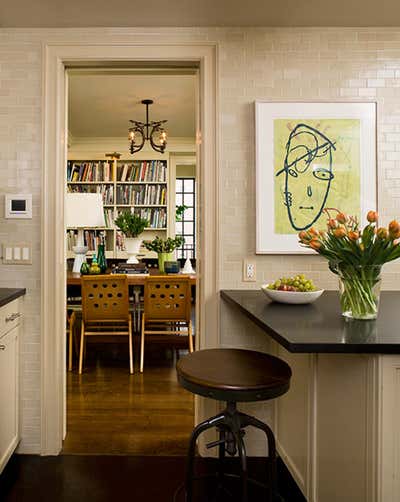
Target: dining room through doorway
(110,411)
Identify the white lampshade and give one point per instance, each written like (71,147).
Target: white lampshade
(84,210)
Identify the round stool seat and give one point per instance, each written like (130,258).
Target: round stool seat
(234,374)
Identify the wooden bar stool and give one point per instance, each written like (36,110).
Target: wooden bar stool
(233,375)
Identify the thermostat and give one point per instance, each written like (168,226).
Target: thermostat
(18,206)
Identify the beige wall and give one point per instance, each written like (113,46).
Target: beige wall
(185,171)
(269,64)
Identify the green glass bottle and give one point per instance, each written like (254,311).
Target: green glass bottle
(85,268)
(101,258)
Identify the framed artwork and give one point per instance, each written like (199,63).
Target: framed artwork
(309,157)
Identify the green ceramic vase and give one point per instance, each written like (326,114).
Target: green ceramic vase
(162,258)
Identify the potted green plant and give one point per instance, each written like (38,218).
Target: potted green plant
(179,212)
(164,248)
(131,225)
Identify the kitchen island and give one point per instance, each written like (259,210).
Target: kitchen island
(338,427)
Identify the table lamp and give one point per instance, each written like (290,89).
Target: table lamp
(83,210)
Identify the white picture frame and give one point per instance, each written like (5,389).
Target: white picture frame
(268,240)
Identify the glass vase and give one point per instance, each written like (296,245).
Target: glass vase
(162,258)
(359,289)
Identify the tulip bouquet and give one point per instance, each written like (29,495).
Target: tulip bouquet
(356,256)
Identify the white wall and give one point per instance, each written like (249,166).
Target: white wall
(270,64)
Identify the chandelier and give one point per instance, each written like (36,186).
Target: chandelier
(151,131)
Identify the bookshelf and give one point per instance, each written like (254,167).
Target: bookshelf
(138,184)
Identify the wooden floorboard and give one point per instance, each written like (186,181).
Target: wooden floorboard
(72,478)
(110,411)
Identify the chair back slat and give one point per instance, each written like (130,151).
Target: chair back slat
(105,297)
(167,298)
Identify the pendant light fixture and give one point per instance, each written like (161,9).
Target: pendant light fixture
(151,131)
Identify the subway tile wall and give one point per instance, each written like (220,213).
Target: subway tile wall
(264,64)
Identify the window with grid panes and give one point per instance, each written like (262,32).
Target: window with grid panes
(185,195)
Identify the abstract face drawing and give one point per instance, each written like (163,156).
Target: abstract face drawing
(308,175)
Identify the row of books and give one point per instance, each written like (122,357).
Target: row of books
(157,217)
(109,217)
(89,171)
(92,239)
(142,195)
(146,170)
(107,191)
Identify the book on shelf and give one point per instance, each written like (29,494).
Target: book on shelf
(119,241)
(109,217)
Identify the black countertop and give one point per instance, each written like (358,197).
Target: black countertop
(7,295)
(320,327)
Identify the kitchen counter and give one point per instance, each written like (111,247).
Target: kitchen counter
(338,427)
(7,295)
(319,327)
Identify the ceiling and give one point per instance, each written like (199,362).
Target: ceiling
(120,13)
(102,102)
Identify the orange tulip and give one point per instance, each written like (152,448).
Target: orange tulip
(303,236)
(394,229)
(315,244)
(339,232)
(382,233)
(332,223)
(312,231)
(341,218)
(372,216)
(354,235)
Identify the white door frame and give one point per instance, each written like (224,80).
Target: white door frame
(57,58)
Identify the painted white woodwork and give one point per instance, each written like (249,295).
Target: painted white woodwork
(293,414)
(56,58)
(338,427)
(9,380)
(388,486)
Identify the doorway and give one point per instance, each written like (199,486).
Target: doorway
(110,411)
(57,58)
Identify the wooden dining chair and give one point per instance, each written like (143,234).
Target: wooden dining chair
(105,310)
(167,311)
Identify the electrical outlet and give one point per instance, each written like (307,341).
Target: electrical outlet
(249,271)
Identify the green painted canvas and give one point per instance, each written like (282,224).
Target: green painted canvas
(316,166)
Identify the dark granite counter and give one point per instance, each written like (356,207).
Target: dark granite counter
(7,295)
(320,327)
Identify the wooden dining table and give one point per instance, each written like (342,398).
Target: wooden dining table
(133,279)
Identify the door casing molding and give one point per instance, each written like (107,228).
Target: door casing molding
(58,57)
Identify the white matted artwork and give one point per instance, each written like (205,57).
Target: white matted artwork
(309,157)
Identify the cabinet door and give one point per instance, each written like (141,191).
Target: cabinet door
(9,395)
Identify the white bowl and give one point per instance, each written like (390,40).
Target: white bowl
(294,297)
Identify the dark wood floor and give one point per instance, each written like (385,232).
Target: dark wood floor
(111,412)
(72,478)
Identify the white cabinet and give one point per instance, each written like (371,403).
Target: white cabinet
(10,318)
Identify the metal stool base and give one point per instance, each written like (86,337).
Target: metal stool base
(231,425)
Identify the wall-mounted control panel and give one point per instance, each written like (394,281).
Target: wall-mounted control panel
(18,206)
(17,254)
